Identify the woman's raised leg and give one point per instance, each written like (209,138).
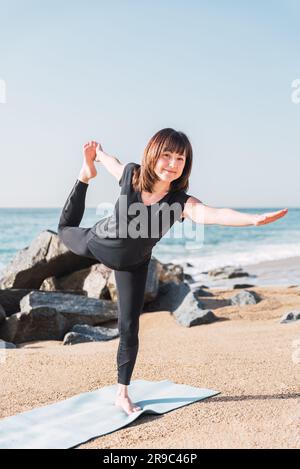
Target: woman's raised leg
(69,233)
(73,237)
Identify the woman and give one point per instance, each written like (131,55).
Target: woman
(156,190)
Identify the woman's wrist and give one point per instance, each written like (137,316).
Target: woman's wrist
(99,154)
(255,219)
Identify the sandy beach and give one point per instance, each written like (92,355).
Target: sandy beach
(248,357)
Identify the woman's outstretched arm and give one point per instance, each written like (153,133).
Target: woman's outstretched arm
(201,213)
(111,163)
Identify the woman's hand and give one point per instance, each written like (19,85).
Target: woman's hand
(99,151)
(98,147)
(268,217)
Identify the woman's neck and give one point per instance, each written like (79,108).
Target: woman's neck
(160,187)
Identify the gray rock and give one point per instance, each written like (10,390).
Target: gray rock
(8,328)
(196,317)
(170,296)
(85,333)
(101,333)
(90,282)
(152,282)
(199,291)
(242,285)
(6,345)
(49,316)
(227,272)
(182,303)
(73,338)
(169,272)
(2,314)
(45,257)
(186,264)
(245,297)
(189,312)
(188,278)
(10,299)
(290,317)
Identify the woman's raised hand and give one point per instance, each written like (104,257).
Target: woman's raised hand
(269,217)
(99,149)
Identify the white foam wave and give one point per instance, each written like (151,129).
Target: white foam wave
(224,256)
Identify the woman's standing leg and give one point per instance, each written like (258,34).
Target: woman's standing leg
(131,289)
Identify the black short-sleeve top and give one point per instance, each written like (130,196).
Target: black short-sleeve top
(126,238)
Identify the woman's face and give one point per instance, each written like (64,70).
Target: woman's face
(169,166)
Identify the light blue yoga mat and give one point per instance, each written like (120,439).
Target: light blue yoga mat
(75,420)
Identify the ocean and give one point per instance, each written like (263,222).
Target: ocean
(205,247)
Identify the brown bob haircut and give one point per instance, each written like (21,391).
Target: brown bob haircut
(170,140)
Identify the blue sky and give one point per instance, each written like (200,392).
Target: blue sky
(118,71)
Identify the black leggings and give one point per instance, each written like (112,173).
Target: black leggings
(130,283)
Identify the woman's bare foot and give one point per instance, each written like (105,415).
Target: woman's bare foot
(127,405)
(88,170)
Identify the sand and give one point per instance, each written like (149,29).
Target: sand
(248,358)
